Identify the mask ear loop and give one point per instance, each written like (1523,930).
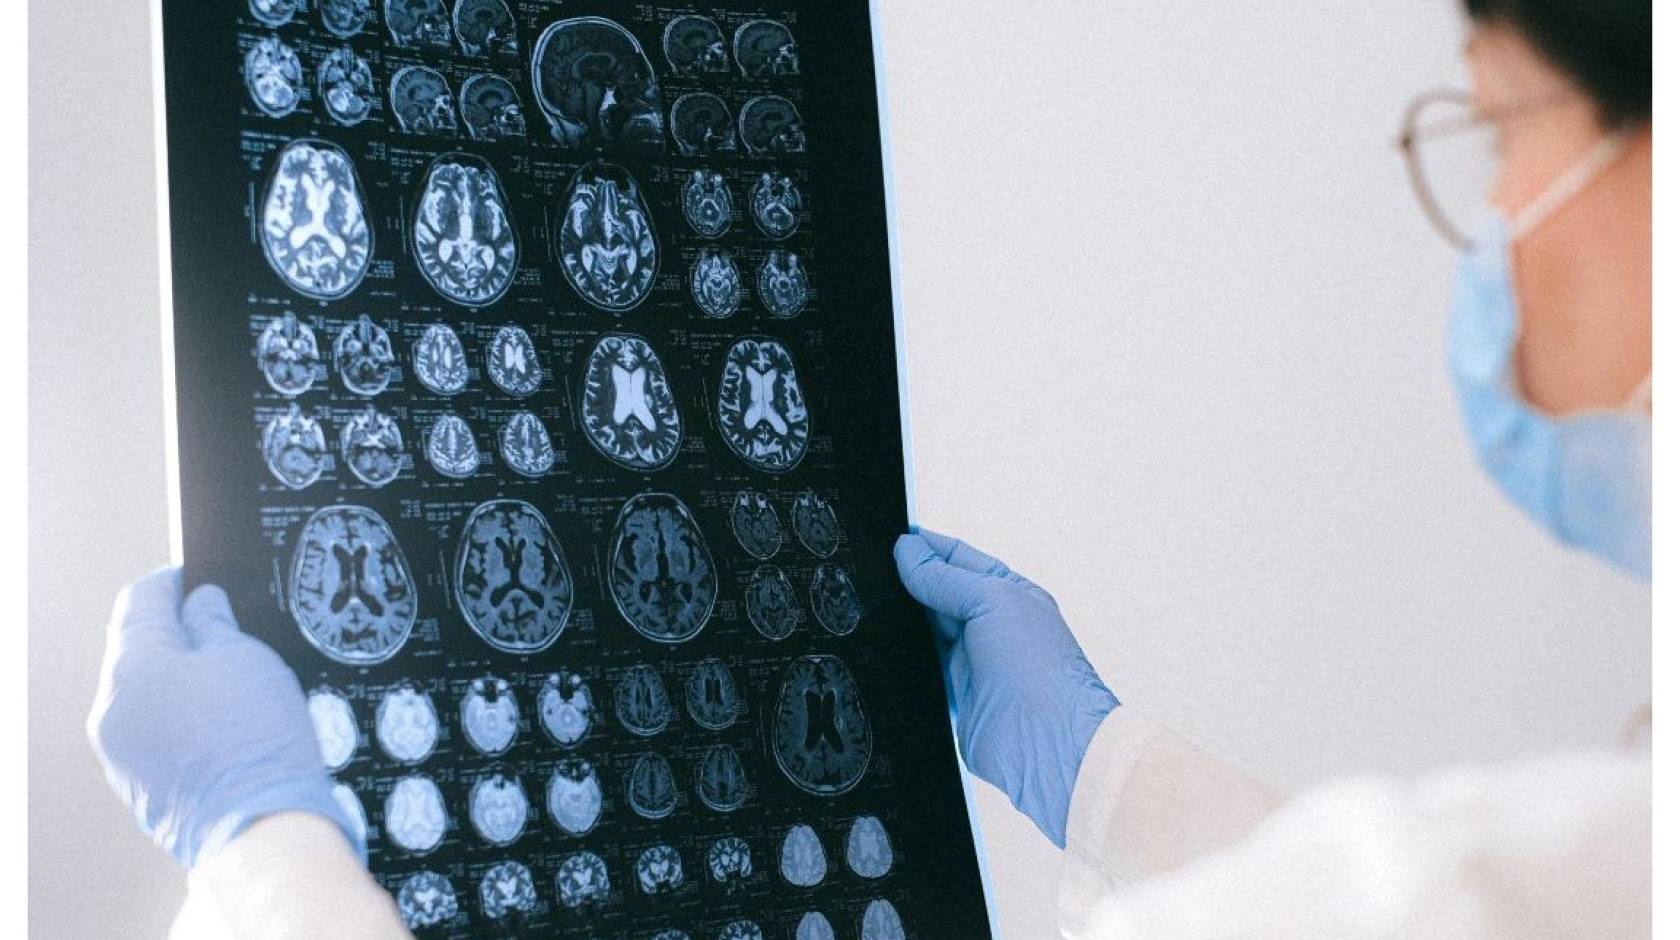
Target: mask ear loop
(1569,185)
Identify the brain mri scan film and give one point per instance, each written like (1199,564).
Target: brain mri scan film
(881,922)
(641,702)
(834,599)
(491,110)
(451,449)
(350,589)
(755,524)
(498,808)
(335,727)
(422,101)
(672,934)
(344,85)
(294,447)
(566,708)
(713,700)
(574,796)
(274,76)
(418,24)
(372,447)
(782,285)
(511,359)
(772,608)
(804,865)
(650,787)
(716,283)
(288,355)
(628,411)
(596,87)
(414,815)
(463,238)
(815,524)
(526,446)
(695,46)
(820,736)
(607,247)
(363,357)
(659,869)
(273,12)
(345,18)
(869,853)
(406,724)
(314,233)
(729,861)
(707,204)
(814,926)
(765,48)
(660,570)
(426,899)
(760,407)
(701,124)
(740,930)
(776,203)
(770,125)
(507,888)
(511,578)
(440,361)
(351,804)
(582,879)
(486,27)
(720,780)
(490,715)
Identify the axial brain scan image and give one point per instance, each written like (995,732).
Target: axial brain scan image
(814,926)
(511,578)
(574,796)
(485,27)
(820,736)
(422,102)
(451,449)
(273,12)
(755,524)
(651,787)
(345,18)
(288,355)
(694,45)
(314,233)
(659,869)
(505,889)
(566,708)
(597,87)
(765,48)
(804,864)
(463,237)
(869,853)
(363,357)
(720,780)
(511,359)
(713,700)
(607,247)
(350,589)
(415,818)
(498,808)
(372,447)
(418,23)
(772,608)
(440,361)
(729,861)
(701,124)
(294,447)
(770,125)
(740,930)
(427,899)
(582,879)
(660,570)
(815,524)
(490,715)
(406,724)
(776,203)
(344,85)
(526,446)
(783,286)
(491,110)
(716,283)
(761,409)
(274,76)
(834,599)
(628,410)
(881,922)
(335,727)
(707,204)
(641,702)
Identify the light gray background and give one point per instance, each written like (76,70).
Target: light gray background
(1174,335)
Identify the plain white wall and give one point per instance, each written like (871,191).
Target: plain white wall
(1174,332)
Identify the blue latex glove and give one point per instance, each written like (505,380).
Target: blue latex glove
(1027,702)
(202,729)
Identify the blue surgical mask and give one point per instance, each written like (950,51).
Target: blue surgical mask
(1585,478)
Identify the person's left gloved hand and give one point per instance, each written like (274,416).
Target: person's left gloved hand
(201,728)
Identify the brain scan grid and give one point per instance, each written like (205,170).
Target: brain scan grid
(539,358)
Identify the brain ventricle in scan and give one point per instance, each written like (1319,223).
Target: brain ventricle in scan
(511,577)
(596,86)
(628,411)
(760,406)
(350,588)
(315,234)
(661,572)
(464,237)
(607,247)
(821,737)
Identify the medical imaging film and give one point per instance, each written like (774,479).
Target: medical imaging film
(537,401)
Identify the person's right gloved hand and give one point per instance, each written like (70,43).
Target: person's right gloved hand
(201,728)
(1027,701)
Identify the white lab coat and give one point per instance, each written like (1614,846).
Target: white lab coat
(1165,840)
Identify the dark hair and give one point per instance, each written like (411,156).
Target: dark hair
(1604,45)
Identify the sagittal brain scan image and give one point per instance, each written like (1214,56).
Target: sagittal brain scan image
(804,864)
(273,12)
(507,888)
(760,407)
(345,18)
(526,446)
(440,361)
(295,448)
(497,808)
(582,879)
(463,237)
(707,204)
(834,599)
(422,102)
(363,357)
(566,708)
(783,286)
(660,570)
(350,589)
(765,48)
(720,779)
(820,736)
(511,360)
(713,700)
(274,76)
(815,524)
(371,446)
(628,410)
(755,524)
(641,702)
(651,787)
(574,796)
(715,283)
(770,126)
(427,899)
(814,926)
(486,27)
(776,203)
(490,715)
(314,233)
(607,247)
(451,449)
(288,355)
(335,727)
(694,45)
(418,24)
(406,724)
(511,578)
(415,817)
(344,85)
(348,801)
(772,607)
(597,87)
(701,124)
(659,869)
(881,922)
(491,110)
(869,853)
(729,861)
